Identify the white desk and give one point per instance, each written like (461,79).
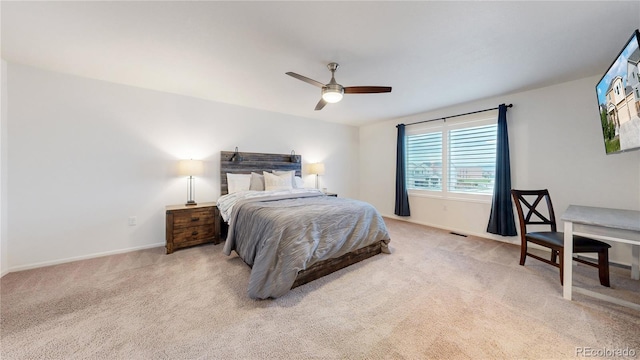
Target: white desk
(603,224)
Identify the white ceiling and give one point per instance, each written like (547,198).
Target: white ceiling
(433,54)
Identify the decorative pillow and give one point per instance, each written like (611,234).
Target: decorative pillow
(298,183)
(238,182)
(277,182)
(291,173)
(257,182)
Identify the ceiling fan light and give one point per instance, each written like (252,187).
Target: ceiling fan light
(331,95)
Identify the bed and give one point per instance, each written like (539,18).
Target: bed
(290,237)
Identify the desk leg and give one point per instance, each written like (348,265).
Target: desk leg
(568,260)
(635,262)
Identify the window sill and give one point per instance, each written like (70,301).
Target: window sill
(472,198)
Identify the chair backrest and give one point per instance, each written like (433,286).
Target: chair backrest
(532,209)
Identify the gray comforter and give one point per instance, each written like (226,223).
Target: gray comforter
(281,235)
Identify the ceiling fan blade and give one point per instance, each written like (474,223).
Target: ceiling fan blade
(366,89)
(321,104)
(305,79)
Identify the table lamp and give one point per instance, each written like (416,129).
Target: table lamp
(190,168)
(317,169)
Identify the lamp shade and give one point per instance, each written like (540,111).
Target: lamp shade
(317,168)
(190,167)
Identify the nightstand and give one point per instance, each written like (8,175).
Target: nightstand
(192,225)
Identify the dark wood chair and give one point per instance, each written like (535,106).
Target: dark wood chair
(553,239)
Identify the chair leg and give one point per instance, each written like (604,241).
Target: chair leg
(603,267)
(523,252)
(554,254)
(561,255)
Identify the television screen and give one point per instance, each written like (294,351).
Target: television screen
(619,100)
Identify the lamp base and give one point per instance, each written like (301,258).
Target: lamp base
(191,203)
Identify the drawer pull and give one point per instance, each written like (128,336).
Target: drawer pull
(195,218)
(194,233)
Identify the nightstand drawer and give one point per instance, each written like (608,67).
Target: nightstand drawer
(193,234)
(195,217)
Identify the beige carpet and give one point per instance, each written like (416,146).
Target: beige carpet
(437,296)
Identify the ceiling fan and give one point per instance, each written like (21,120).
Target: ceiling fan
(332,92)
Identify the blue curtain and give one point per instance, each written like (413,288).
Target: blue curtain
(402,198)
(501,220)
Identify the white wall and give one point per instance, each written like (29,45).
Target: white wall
(84,155)
(555,142)
(4,263)
(80,156)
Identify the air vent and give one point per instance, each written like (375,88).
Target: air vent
(455,233)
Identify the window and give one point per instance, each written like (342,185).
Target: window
(424,161)
(452,157)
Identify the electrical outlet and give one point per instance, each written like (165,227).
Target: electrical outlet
(133,220)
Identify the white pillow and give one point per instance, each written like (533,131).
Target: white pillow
(238,182)
(277,182)
(296,180)
(291,173)
(257,182)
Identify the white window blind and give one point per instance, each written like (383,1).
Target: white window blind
(455,157)
(472,159)
(424,161)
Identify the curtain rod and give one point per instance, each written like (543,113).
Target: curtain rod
(452,116)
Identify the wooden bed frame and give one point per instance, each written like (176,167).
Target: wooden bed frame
(259,162)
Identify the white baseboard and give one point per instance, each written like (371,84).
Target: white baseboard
(496,238)
(83,257)
(515,240)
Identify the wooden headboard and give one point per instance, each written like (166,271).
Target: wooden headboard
(256,162)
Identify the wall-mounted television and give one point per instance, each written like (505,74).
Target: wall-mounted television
(619,100)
